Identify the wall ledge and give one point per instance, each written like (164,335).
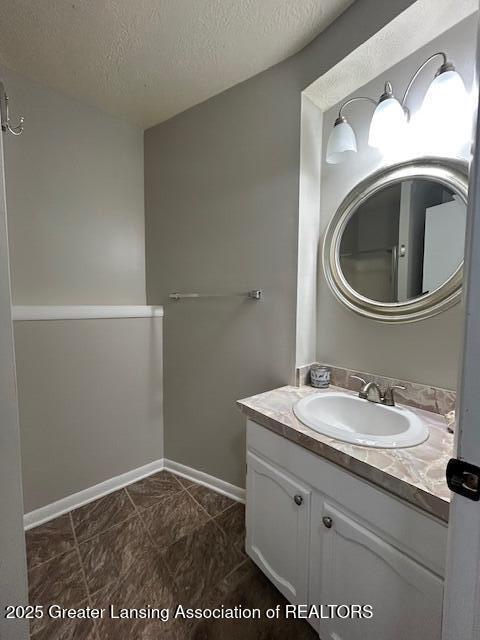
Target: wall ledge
(83,312)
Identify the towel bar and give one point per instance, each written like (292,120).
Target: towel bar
(254,294)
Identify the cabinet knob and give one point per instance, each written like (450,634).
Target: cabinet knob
(328,522)
(298,499)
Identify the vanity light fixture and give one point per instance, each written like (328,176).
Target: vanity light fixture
(443,101)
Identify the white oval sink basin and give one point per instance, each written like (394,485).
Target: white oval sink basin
(369,424)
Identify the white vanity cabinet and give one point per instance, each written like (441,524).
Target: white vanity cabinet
(355,565)
(345,542)
(280,504)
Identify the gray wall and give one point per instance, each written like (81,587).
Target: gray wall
(221,193)
(90,391)
(90,399)
(75,201)
(426,351)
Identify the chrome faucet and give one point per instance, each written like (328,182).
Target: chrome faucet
(364,392)
(386,397)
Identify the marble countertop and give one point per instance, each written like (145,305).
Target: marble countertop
(415,474)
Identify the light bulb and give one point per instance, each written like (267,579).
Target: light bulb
(342,140)
(445,118)
(446,95)
(388,122)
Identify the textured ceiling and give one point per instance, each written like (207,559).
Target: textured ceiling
(146,60)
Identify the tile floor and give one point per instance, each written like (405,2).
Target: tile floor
(162,541)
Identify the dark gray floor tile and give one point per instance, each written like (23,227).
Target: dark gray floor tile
(249,588)
(150,490)
(213,502)
(110,554)
(67,630)
(232,521)
(147,583)
(168,552)
(103,514)
(141,630)
(172,517)
(59,580)
(200,560)
(49,540)
(185,482)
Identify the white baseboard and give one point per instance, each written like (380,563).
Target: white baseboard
(220,486)
(58,508)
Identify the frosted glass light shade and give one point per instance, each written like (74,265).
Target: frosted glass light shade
(388,124)
(445,119)
(342,140)
(446,97)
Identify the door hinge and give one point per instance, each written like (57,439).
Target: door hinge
(463,478)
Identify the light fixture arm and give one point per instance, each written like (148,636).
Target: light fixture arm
(445,67)
(341,117)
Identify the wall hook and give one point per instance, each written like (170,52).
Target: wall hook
(5,116)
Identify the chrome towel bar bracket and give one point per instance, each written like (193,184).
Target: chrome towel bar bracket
(254,294)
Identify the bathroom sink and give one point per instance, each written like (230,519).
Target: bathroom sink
(352,419)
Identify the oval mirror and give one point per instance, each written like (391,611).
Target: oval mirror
(394,249)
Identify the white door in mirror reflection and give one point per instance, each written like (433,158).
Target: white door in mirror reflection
(444,242)
(404,241)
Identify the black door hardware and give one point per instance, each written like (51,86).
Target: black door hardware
(463,478)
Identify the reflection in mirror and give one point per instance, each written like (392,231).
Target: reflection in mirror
(404,241)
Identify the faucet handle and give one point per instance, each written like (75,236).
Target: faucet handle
(362,380)
(389,396)
(362,393)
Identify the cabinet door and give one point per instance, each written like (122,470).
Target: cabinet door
(278,527)
(358,567)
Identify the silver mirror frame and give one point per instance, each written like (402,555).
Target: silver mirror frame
(449,172)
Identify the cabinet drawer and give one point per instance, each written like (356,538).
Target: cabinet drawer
(411,530)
